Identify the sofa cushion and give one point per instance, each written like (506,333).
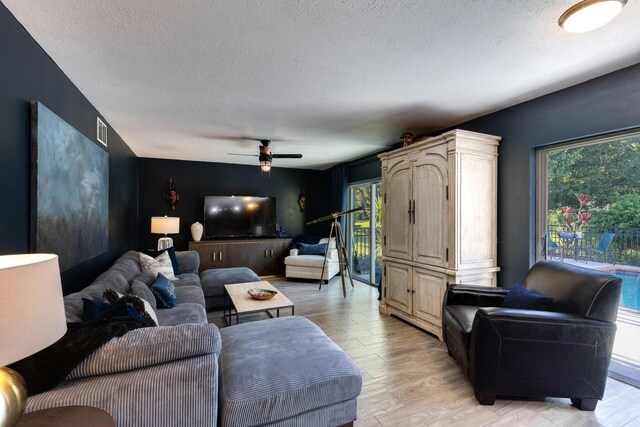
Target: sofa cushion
(46,368)
(164,291)
(128,265)
(190,294)
(585,292)
(160,264)
(178,393)
(305,260)
(317,249)
(275,369)
(110,279)
(518,297)
(182,313)
(213,280)
(150,346)
(141,290)
(189,261)
(187,279)
(147,277)
(74,306)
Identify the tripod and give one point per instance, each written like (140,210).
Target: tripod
(343,261)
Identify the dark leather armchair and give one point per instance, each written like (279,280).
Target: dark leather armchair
(525,353)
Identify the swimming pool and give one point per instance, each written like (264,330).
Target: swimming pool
(630,288)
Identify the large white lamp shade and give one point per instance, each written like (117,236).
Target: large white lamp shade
(32,317)
(165,225)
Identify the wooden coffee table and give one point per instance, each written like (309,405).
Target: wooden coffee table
(242,303)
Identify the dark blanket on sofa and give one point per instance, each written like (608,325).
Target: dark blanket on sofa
(47,368)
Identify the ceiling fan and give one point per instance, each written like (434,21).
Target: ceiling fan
(266,156)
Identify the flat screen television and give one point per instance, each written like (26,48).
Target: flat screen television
(239,216)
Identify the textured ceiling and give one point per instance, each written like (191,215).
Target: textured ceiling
(332,80)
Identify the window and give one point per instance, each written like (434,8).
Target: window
(588,214)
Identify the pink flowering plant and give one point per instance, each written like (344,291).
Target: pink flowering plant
(574,221)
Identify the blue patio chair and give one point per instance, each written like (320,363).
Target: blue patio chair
(603,246)
(553,250)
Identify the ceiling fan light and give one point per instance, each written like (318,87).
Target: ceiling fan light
(265,165)
(590,14)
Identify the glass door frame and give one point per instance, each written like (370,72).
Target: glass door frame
(628,373)
(372,227)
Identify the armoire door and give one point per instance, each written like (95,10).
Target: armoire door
(398,286)
(397,211)
(430,181)
(429,287)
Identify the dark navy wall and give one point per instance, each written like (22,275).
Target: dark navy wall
(194,180)
(602,105)
(366,169)
(27,73)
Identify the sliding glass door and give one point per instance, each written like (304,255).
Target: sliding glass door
(588,214)
(364,232)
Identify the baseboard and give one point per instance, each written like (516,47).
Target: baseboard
(625,372)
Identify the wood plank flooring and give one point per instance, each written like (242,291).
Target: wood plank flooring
(409,379)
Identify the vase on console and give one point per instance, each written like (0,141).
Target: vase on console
(196,231)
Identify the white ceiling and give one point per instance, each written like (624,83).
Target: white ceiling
(333,80)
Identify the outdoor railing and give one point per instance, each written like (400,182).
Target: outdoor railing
(360,247)
(361,253)
(624,248)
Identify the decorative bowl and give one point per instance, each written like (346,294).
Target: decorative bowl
(257,293)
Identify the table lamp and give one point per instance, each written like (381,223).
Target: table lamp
(32,317)
(165,225)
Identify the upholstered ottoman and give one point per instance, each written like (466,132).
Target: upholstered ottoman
(285,372)
(213,282)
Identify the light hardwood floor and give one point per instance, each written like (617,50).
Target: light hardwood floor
(409,380)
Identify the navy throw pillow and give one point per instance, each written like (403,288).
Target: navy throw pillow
(318,249)
(172,256)
(307,240)
(96,310)
(519,297)
(164,291)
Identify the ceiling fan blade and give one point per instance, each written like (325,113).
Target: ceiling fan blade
(287,156)
(238,154)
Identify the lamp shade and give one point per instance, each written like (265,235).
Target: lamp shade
(32,314)
(165,225)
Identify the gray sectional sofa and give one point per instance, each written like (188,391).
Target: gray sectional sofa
(277,372)
(126,276)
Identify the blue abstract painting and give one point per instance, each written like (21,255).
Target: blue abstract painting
(70,191)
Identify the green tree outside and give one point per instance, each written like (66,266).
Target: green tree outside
(609,172)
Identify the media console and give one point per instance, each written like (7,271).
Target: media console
(264,256)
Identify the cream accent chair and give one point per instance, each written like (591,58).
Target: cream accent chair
(310,266)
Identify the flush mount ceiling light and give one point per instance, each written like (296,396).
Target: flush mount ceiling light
(590,14)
